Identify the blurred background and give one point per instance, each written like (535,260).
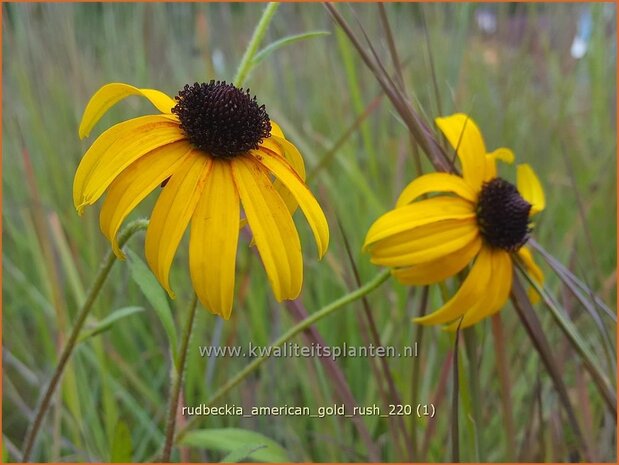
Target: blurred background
(538,78)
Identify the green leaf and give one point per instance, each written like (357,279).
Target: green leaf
(155,294)
(239,455)
(269,49)
(5,453)
(121,449)
(236,439)
(108,321)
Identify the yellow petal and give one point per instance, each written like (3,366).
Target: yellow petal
(436,182)
(116,149)
(276,130)
(282,170)
(214,239)
(472,291)
(172,213)
(496,295)
(503,154)
(490,170)
(135,183)
(270,144)
(465,137)
(292,154)
(534,270)
(272,227)
(439,269)
(110,94)
(425,243)
(530,188)
(418,214)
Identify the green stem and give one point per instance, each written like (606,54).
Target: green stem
(93,292)
(299,327)
(418,332)
(261,28)
(177,381)
(470,343)
(455,401)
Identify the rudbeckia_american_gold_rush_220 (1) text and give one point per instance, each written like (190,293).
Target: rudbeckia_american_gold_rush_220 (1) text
(477,218)
(213,150)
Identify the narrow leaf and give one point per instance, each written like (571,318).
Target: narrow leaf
(155,295)
(579,345)
(572,282)
(121,448)
(533,326)
(108,321)
(240,454)
(269,49)
(231,439)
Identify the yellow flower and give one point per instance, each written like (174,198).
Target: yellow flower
(478,216)
(212,150)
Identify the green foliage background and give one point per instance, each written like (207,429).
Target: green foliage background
(521,86)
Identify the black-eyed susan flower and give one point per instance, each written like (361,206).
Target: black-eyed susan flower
(214,150)
(477,217)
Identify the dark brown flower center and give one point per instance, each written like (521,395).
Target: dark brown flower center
(503,215)
(221,119)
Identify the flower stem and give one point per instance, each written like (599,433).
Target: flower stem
(504,385)
(177,381)
(246,62)
(93,292)
(470,344)
(296,329)
(455,400)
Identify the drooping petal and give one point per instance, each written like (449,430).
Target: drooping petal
(276,130)
(270,146)
(272,226)
(440,269)
(116,149)
(418,214)
(282,170)
(530,188)
(213,241)
(278,145)
(172,213)
(534,270)
(135,183)
(436,182)
(425,243)
(465,137)
(471,292)
(292,154)
(496,295)
(503,154)
(110,94)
